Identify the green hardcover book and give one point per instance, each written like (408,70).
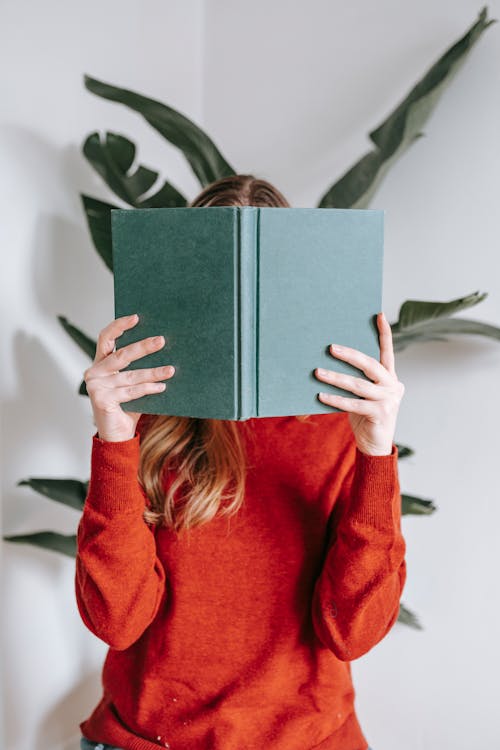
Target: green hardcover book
(248,300)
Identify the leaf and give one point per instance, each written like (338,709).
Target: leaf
(50,540)
(98,214)
(113,158)
(423,320)
(403,126)
(413,313)
(415,109)
(203,156)
(85,343)
(404,450)
(357,186)
(416,506)
(70,492)
(407,617)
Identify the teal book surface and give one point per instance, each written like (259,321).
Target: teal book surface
(248,300)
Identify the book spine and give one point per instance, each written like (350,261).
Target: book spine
(247,307)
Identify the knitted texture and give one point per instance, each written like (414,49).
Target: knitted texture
(238,634)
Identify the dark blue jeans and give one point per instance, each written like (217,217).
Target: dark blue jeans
(86,744)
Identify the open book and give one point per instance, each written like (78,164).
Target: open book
(248,300)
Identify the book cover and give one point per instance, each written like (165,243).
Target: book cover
(248,300)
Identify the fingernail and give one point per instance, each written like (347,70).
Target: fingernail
(336,347)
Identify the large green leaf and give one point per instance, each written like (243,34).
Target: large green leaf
(113,158)
(413,312)
(416,506)
(203,156)
(404,450)
(50,540)
(403,126)
(407,617)
(423,320)
(82,389)
(357,186)
(98,214)
(70,492)
(85,343)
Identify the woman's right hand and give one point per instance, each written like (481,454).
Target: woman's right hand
(108,388)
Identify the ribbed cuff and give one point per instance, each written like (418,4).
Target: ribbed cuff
(375,491)
(113,484)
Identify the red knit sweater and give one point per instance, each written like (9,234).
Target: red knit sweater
(239,635)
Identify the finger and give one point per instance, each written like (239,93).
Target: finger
(355,405)
(134,377)
(358,386)
(129,392)
(369,365)
(120,359)
(108,335)
(386,347)
(108,401)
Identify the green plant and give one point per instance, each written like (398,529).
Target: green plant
(113,156)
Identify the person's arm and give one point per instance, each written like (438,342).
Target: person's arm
(119,579)
(356,596)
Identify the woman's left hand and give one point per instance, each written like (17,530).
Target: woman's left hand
(373,416)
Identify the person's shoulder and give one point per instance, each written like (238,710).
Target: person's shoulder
(331,428)
(328,430)
(143,423)
(337,421)
(320,443)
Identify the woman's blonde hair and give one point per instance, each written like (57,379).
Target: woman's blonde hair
(203,460)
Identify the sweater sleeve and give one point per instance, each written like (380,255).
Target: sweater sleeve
(119,579)
(356,596)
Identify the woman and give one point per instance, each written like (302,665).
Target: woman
(235,568)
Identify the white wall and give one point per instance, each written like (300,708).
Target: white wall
(292,90)
(289,91)
(51,661)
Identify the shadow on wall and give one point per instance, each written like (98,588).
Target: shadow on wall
(44,422)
